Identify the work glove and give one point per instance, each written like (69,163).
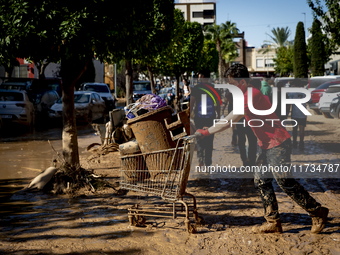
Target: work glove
(202,132)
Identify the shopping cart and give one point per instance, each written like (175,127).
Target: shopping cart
(165,174)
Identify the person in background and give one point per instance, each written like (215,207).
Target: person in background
(244,133)
(271,83)
(274,150)
(229,99)
(186,90)
(203,121)
(265,88)
(298,116)
(278,112)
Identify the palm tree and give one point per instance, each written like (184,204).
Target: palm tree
(222,35)
(279,38)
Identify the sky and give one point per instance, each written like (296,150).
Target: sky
(258,17)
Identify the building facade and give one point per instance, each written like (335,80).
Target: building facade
(199,11)
(260,63)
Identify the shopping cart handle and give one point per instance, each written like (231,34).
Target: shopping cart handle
(190,137)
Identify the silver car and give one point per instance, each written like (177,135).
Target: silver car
(89,106)
(15,107)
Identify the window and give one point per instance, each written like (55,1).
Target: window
(80,98)
(333,90)
(259,63)
(11,96)
(96,88)
(208,14)
(197,14)
(238,51)
(269,63)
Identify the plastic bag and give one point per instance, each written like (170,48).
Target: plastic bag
(149,102)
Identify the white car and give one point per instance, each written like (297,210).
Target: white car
(326,99)
(15,107)
(88,106)
(285,80)
(103,90)
(316,81)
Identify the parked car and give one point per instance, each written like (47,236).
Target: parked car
(167,93)
(316,81)
(42,101)
(326,99)
(88,105)
(335,108)
(15,107)
(16,85)
(317,93)
(285,80)
(103,90)
(141,88)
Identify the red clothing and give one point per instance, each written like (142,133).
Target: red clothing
(272,133)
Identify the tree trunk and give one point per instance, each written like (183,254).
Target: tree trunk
(41,67)
(220,60)
(72,69)
(151,80)
(177,102)
(128,80)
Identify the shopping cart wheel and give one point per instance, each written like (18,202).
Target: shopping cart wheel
(140,220)
(198,219)
(191,229)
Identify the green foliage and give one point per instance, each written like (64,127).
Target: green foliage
(284,60)
(75,32)
(280,37)
(209,58)
(62,29)
(222,35)
(88,76)
(330,22)
(318,51)
(300,55)
(184,51)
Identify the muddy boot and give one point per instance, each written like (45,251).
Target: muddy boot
(319,220)
(271,226)
(295,144)
(301,145)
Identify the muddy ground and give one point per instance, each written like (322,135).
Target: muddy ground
(97,223)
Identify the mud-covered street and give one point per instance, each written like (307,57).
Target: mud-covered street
(97,223)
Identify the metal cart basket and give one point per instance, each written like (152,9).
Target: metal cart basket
(161,173)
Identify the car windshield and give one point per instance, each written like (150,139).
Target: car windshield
(314,83)
(333,90)
(96,88)
(142,86)
(285,81)
(13,86)
(11,96)
(78,98)
(327,84)
(81,98)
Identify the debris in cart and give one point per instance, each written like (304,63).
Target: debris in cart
(145,104)
(167,178)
